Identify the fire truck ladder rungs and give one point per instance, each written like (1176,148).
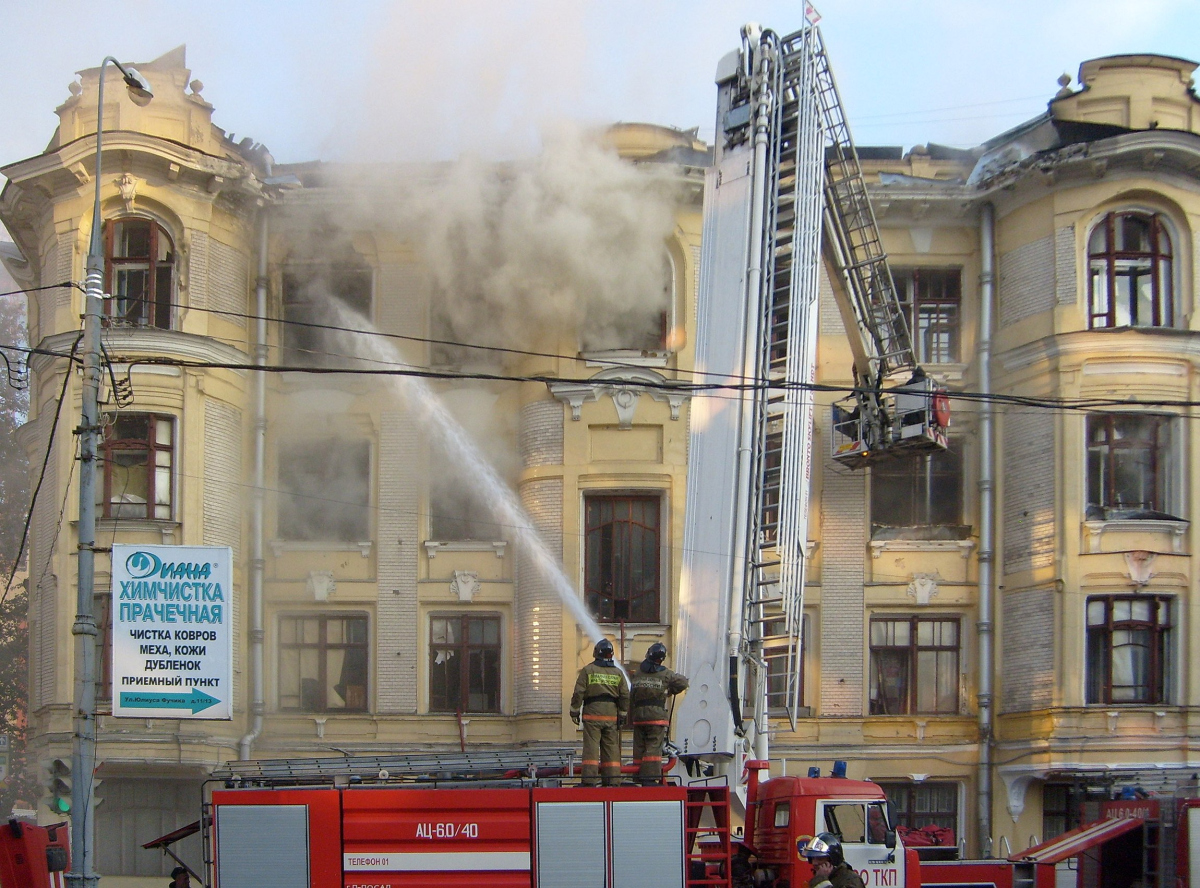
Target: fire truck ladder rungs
(786,351)
(474,765)
(707,838)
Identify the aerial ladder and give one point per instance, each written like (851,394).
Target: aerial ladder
(784,198)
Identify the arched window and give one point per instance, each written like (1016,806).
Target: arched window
(140,273)
(1130,281)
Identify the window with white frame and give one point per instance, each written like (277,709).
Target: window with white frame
(932,301)
(137,453)
(1128,648)
(1129,464)
(1130,272)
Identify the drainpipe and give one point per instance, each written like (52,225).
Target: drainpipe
(258,488)
(987,527)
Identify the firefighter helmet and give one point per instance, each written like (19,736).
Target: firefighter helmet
(657,652)
(822,845)
(603,650)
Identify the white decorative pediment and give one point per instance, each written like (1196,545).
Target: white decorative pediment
(924,586)
(625,385)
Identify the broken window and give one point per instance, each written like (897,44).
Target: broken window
(323,663)
(622,558)
(324,490)
(918,491)
(464,663)
(1128,465)
(1130,277)
(458,509)
(318,298)
(641,326)
(932,298)
(914,665)
(1128,648)
(137,456)
(140,273)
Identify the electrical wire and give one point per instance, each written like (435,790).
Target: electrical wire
(75,284)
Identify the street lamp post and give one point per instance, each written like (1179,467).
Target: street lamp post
(83,748)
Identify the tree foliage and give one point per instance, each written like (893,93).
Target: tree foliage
(22,781)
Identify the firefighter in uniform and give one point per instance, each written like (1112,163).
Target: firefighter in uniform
(600,699)
(830,870)
(652,684)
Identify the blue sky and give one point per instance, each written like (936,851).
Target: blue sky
(385,79)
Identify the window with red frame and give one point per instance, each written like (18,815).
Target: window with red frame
(140,273)
(622,557)
(1130,281)
(1128,648)
(137,453)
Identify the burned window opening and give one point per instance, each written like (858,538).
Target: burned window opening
(317,297)
(324,491)
(464,663)
(932,299)
(919,497)
(137,453)
(1129,461)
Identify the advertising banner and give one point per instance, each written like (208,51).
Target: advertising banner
(172,631)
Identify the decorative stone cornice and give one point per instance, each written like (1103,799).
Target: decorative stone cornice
(126,344)
(625,385)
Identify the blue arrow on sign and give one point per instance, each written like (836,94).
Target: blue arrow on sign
(196,701)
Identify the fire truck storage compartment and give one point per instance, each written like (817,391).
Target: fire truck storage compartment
(426,837)
(269,838)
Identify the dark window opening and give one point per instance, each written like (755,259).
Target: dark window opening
(918,491)
(1128,648)
(633,327)
(622,558)
(137,456)
(914,665)
(317,297)
(464,663)
(1128,465)
(323,663)
(1060,813)
(458,509)
(324,491)
(140,273)
(1130,281)
(932,299)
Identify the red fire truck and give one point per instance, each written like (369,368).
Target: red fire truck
(521,819)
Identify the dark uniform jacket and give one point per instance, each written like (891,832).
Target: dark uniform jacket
(652,684)
(599,684)
(841,877)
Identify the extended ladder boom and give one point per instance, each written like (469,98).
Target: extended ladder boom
(785,189)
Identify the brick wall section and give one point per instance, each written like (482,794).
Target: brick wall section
(828,316)
(1026,283)
(228,281)
(224,499)
(58,268)
(843,539)
(397,549)
(537,602)
(1027,650)
(1064,265)
(198,262)
(43,584)
(1029,483)
(542,434)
